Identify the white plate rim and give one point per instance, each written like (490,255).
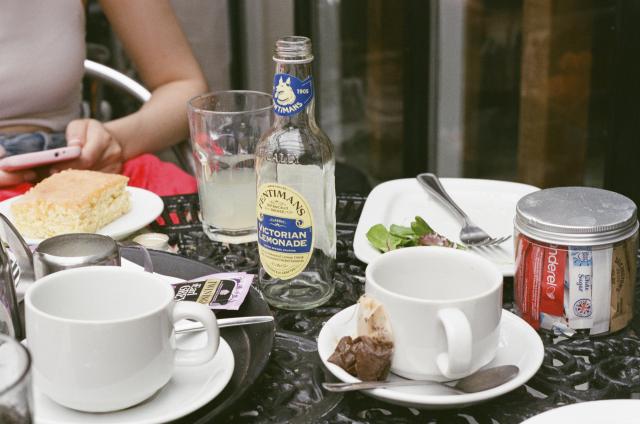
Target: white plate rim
(435,401)
(372,210)
(143,202)
(611,407)
(227,364)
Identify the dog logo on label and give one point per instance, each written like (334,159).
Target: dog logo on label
(284,93)
(290,94)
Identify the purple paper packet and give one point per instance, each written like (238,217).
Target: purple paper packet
(225,290)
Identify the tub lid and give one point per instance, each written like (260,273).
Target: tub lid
(580,216)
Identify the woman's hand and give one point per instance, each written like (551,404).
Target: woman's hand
(100,149)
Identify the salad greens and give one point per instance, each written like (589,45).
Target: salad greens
(397,236)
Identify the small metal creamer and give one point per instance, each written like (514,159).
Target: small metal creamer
(68,251)
(78,250)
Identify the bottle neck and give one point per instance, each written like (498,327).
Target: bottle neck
(289,116)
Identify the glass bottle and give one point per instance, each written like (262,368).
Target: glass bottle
(296,200)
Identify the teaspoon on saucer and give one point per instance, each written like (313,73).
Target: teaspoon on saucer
(194,326)
(477,382)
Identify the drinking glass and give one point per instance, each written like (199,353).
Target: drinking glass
(15,382)
(225,128)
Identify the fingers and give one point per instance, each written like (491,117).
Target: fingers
(11,178)
(93,138)
(76,132)
(113,168)
(111,155)
(99,149)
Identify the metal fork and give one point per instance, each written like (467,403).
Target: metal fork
(470,234)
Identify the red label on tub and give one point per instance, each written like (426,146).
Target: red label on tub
(552,289)
(528,280)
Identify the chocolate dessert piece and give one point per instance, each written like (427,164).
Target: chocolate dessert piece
(343,356)
(364,357)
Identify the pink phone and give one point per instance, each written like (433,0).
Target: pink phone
(45,157)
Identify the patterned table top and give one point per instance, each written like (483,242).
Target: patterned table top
(289,390)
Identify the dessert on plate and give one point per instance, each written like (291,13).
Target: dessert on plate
(71,201)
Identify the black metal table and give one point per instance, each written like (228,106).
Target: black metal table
(289,390)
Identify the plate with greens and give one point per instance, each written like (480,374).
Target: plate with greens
(400,213)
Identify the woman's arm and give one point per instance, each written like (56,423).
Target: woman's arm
(154,41)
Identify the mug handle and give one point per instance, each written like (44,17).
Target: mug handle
(198,312)
(455,363)
(146,258)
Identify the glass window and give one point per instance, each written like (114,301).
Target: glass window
(524,90)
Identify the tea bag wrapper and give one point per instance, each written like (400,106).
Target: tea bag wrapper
(217,291)
(622,282)
(601,290)
(522,250)
(580,310)
(552,289)
(533,282)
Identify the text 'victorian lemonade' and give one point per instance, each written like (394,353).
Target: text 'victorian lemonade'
(295,203)
(283,232)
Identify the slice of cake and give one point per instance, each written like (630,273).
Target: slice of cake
(71,201)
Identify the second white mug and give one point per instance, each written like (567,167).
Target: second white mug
(444,306)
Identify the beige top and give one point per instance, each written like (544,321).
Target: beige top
(42,50)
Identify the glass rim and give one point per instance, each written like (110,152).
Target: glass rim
(219,93)
(21,376)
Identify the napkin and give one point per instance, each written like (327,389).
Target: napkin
(127,264)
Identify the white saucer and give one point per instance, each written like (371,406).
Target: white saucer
(189,389)
(519,345)
(618,411)
(146,206)
(491,204)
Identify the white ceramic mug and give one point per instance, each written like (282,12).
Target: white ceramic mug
(102,337)
(444,306)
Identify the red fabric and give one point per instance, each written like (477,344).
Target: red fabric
(145,171)
(162,178)
(12,191)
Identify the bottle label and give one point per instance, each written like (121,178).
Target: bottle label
(291,95)
(285,230)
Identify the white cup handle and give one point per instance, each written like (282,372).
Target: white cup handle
(198,312)
(456,362)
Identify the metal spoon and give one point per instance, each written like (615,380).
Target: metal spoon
(477,382)
(194,326)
